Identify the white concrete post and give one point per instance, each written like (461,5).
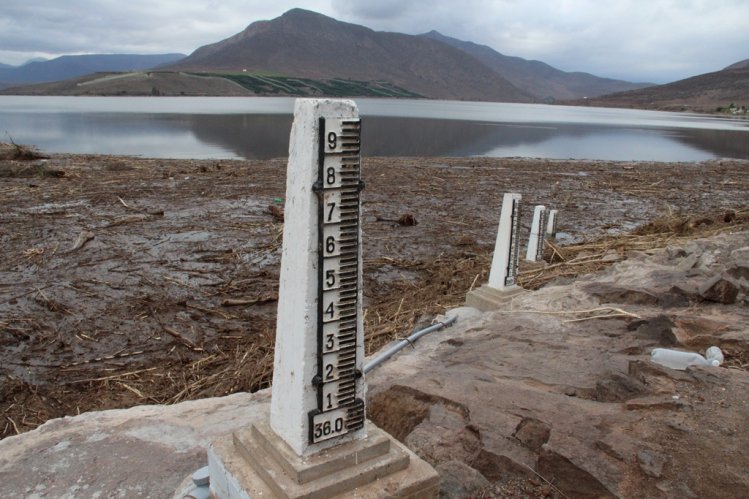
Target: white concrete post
(551,224)
(311,366)
(504,270)
(536,240)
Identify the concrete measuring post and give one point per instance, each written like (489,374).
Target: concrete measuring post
(504,270)
(502,285)
(551,224)
(538,231)
(316,442)
(318,384)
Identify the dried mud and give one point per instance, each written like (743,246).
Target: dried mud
(129,281)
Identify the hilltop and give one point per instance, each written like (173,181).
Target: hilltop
(72,66)
(543,81)
(709,92)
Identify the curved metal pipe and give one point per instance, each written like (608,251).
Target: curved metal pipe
(383,356)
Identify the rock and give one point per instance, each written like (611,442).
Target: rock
(461,313)
(698,332)
(611,256)
(740,255)
(569,477)
(459,480)
(618,387)
(407,220)
(532,433)
(611,293)
(687,290)
(659,329)
(720,290)
(675,252)
(145,451)
(739,271)
(659,402)
(651,462)
(678,490)
(446,434)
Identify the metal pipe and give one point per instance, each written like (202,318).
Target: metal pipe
(383,356)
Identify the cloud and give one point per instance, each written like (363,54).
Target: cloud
(658,40)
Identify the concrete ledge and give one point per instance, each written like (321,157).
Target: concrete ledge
(303,470)
(254,462)
(487,298)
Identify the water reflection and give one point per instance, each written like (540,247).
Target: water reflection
(266,136)
(263,136)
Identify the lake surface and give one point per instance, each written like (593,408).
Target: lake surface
(258,128)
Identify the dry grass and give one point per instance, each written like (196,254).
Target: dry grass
(447,281)
(18,152)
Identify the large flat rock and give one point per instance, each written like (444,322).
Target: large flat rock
(534,390)
(145,451)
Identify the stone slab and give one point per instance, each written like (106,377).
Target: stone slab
(304,470)
(242,466)
(487,298)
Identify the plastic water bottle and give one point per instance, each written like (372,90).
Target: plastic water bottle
(676,359)
(713,355)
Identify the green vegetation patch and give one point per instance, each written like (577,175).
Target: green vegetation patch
(265,84)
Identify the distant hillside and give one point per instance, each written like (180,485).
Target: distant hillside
(739,65)
(703,93)
(144,83)
(538,78)
(305,44)
(71,66)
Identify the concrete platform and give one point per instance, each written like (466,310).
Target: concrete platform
(255,462)
(487,298)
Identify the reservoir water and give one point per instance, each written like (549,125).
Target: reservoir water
(258,128)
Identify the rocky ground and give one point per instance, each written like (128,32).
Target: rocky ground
(540,399)
(129,281)
(552,396)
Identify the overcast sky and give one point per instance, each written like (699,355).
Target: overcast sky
(637,40)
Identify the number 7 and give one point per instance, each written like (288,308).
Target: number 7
(330,213)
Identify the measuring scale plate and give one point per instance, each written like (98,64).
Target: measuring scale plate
(512,261)
(338,186)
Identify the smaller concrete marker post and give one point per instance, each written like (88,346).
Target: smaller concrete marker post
(504,270)
(538,232)
(502,285)
(316,442)
(551,224)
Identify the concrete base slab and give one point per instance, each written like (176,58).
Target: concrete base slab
(487,298)
(255,462)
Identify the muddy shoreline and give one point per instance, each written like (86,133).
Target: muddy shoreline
(131,281)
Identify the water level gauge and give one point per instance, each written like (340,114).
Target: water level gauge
(338,187)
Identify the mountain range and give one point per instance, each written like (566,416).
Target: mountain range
(303,53)
(726,90)
(311,45)
(71,66)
